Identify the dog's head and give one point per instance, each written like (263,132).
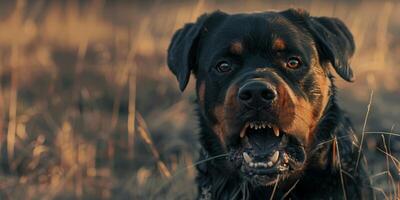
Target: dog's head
(263,83)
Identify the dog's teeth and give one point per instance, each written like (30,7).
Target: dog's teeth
(276,131)
(251,164)
(285,158)
(264,165)
(243,131)
(247,158)
(275,157)
(252,125)
(269,125)
(269,164)
(263,125)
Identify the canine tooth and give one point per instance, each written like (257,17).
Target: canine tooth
(247,158)
(276,131)
(275,157)
(243,131)
(269,164)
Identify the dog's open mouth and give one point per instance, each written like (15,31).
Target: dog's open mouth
(267,151)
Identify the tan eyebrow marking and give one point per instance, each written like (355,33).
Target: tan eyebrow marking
(236,47)
(279,44)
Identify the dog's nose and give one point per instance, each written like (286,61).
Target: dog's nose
(257,94)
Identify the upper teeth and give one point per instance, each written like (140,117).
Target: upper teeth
(260,125)
(276,131)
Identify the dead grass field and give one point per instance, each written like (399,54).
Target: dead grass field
(89,110)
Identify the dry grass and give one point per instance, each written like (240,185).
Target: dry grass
(74,74)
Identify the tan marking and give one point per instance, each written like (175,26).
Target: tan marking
(230,98)
(296,114)
(236,48)
(279,44)
(286,106)
(224,113)
(322,98)
(201,93)
(304,121)
(335,160)
(219,127)
(324,85)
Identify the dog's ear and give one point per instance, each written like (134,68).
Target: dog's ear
(184,47)
(333,39)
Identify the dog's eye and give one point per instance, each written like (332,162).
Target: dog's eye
(293,62)
(223,67)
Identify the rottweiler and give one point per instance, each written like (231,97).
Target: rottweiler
(270,125)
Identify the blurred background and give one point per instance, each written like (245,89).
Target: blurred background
(89,110)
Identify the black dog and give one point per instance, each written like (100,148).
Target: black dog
(266,101)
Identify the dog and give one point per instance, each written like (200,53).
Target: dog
(270,126)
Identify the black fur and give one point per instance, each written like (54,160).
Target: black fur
(198,46)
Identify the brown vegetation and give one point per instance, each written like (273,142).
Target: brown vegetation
(77,76)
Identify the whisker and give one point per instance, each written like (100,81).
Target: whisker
(202,161)
(290,190)
(383,132)
(275,186)
(340,168)
(336,138)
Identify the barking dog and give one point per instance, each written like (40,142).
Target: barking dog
(266,100)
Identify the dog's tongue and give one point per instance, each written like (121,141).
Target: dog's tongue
(262,143)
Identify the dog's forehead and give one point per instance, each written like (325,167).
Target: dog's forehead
(259,31)
(256,25)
